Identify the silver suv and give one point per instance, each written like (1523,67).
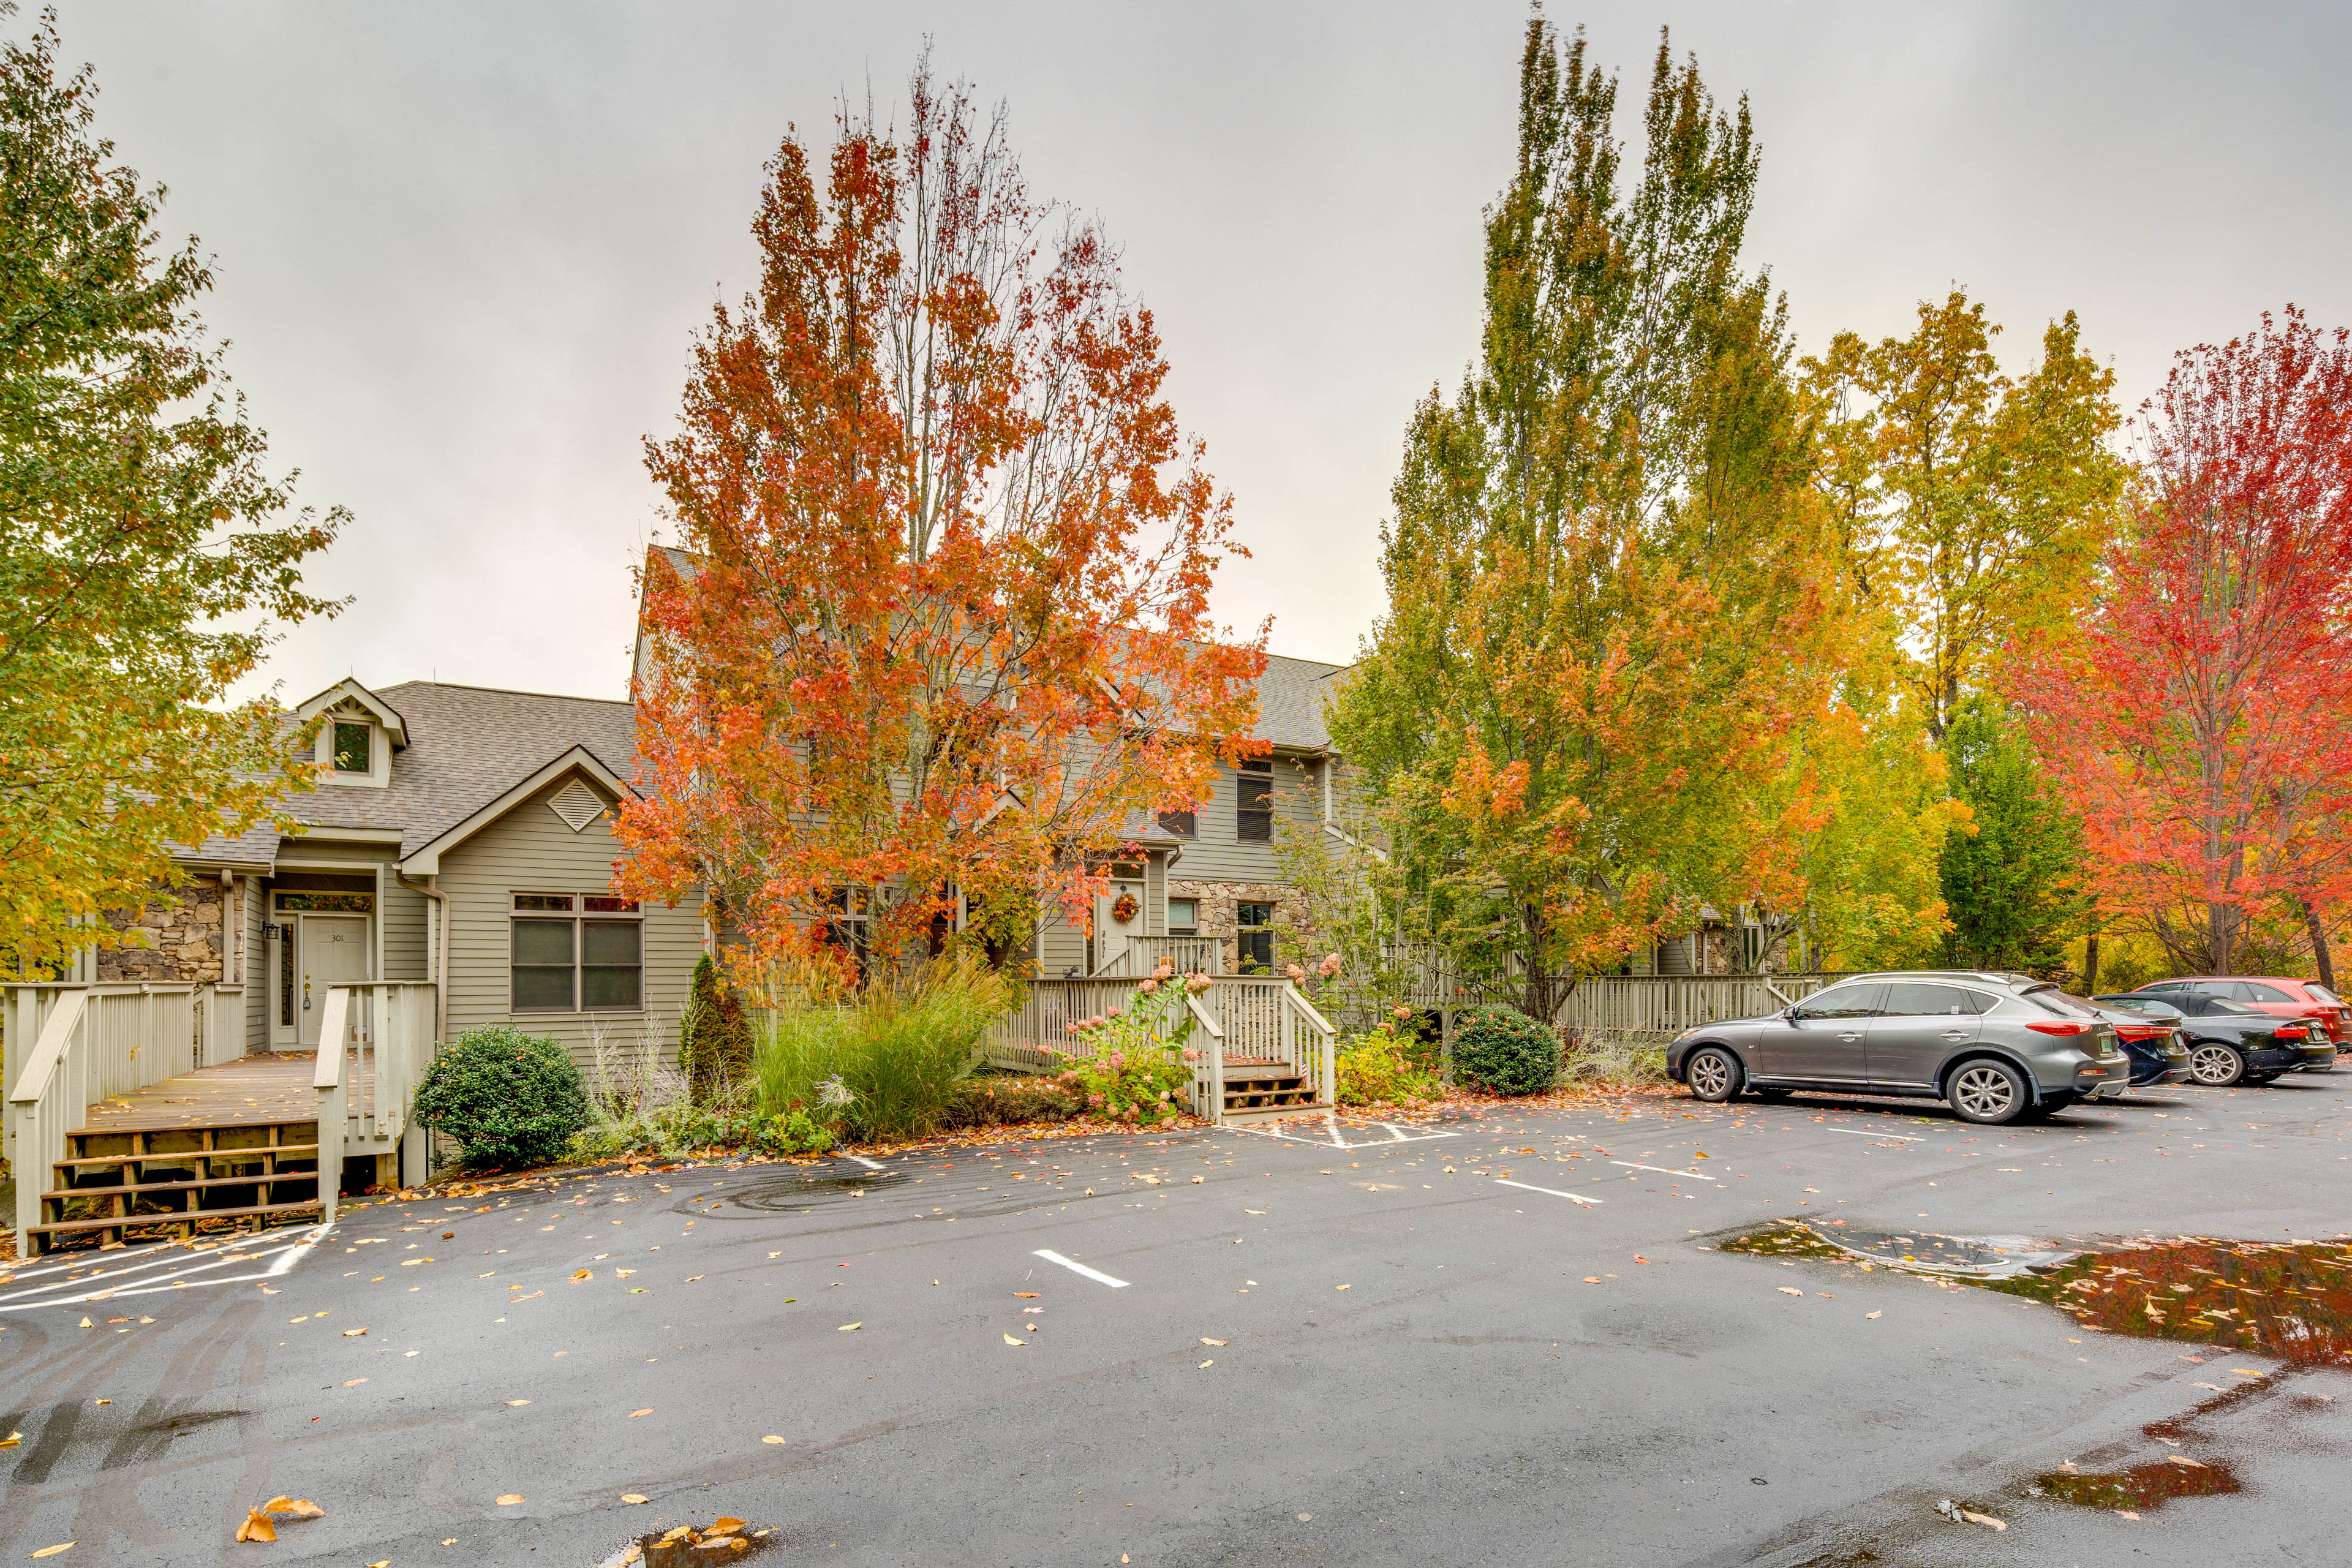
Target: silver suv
(1992,1046)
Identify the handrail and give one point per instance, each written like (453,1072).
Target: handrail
(1209,1071)
(327,1082)
(41,1063)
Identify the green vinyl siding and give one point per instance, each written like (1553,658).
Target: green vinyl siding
(1218,853)
(532,850)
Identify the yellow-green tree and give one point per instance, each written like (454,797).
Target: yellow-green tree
(143,550)
(1975,504)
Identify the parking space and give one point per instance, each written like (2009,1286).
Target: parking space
(1345,1340)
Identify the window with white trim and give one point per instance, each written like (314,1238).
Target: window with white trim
(576,953)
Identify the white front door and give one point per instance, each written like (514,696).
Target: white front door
(1110,931)
(328,949)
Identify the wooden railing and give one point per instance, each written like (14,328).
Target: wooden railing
(375,1039)
(69,1046)
(1671,1004)
(1239,1018)
(1140,955)
(220,1024)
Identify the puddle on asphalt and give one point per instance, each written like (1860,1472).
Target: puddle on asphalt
(2150,1486)
(2289,1301)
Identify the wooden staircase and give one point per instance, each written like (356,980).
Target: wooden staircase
(1264,1087)
(231,1146)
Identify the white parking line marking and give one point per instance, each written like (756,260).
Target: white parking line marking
(1548,1192)
(171,1268)
(1663,1171)
(1051,1257)
(1334,1140)
(1858,1133)
(869,1164)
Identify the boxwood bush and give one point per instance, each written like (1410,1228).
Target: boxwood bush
(509,1098)
(1504,1051)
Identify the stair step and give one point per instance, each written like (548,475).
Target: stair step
(189,1217)
(258,1178)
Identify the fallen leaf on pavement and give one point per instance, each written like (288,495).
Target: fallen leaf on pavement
(60,1546)
(517,1402)
(355,1334)
(1010,1340)
(509,1500)
(1984,1519)
(1789,1290)
(11,1440)
(692,1278)
(584,1273)
(1209,1341)
(1342,1287)
(1640,1259)
(1205,1365)
(1026,1295)
(2184,1460)
(648,1410)
(1592,1280)
(2127,1513)
(354,1382)
(300,1507)
(86,1325)
(1253,1211)
(1870,1314)
(635,1496)
(1196,1180)
(846,1326)
(772,1437)
(256,1527)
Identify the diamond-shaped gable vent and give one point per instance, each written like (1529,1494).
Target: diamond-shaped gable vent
(578,805)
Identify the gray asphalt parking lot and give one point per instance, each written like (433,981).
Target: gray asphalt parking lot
(1502,1336)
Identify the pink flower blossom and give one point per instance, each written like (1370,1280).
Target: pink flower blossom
(1329,966)
(1150,985)
(1094,1099)
(1294,971)
(1196,983)
(1192,1053)
(1167,969)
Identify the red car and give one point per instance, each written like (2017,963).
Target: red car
(2271,994)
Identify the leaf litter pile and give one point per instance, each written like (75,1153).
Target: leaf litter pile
(723,1540)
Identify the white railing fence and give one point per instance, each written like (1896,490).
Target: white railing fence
(1239,1019)
(1671,1004)
(220,1024)
(1140,955)
(375,1040)
(69,1046)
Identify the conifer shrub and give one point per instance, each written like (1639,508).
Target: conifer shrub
(1504,1051)
(714,1037)
(510,1100)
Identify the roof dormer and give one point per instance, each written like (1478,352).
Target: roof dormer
(357,733)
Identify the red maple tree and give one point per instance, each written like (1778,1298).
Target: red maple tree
(2200,718)
(940,641)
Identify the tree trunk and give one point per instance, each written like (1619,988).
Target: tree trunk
(2320,956)
(2091,964)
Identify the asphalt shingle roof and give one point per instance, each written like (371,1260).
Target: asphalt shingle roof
(467,746)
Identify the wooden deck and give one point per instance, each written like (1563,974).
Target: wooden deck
(265,1089)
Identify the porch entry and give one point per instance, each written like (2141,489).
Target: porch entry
(319,939)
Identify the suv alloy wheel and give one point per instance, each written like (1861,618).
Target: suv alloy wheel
(1712,1074)
(1988,1092)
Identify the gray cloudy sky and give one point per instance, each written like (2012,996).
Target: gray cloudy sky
(462,246)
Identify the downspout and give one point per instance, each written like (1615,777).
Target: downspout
(440,944)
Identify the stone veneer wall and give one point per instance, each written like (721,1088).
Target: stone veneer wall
(1217,902)
(182,938)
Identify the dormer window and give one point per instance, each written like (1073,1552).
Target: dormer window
(352,746)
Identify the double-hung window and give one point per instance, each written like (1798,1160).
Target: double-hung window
(577,953)
(1254,926)
(1253,797)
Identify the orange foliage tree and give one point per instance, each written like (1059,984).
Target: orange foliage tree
(2202,720)
(939,640)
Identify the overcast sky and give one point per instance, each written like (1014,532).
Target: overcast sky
(462,248)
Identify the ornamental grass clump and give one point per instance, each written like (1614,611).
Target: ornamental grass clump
(1504,1051)
(507,1099)
(882,1064)
(1378,1068)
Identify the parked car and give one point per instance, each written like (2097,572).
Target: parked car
(2150,1033)
(1994,1046)
(2270,994)
(2232,1042)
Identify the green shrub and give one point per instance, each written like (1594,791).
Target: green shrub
(1504,1051)
(509,1098)
(714,1036)
(885,1064)
(1378,1068)
(680,1130)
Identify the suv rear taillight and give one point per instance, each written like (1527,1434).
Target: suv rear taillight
(2141,1032)
(2061,1029)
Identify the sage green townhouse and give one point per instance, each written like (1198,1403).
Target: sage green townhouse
(458,836)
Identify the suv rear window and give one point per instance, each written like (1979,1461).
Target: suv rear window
(2319,992)
(2050,999)
(1909,999)
(2247,991)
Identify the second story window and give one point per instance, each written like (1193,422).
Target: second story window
(1182,824)
(1253,795)
(351,752)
